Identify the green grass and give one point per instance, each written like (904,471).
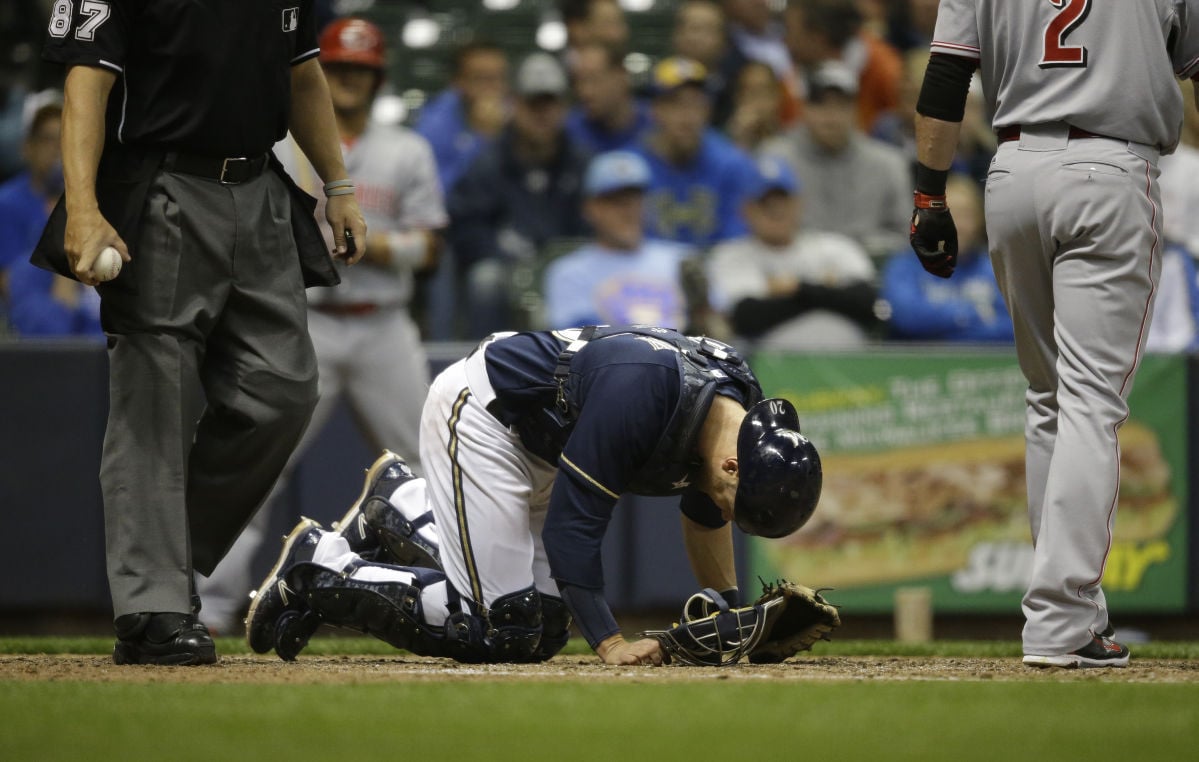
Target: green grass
(625,721)
(348,646)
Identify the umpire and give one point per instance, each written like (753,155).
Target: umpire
(170,111)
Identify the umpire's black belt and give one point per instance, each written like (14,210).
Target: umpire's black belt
(228,171)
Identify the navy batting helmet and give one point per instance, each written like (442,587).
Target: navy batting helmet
(779,471)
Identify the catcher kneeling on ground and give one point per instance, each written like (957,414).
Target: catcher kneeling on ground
(527,444)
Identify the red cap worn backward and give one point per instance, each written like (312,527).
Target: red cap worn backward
(352,41)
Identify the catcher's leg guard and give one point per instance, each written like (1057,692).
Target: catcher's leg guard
(555,626)
(390,611)
(403,542)
(510,632)
(383,477)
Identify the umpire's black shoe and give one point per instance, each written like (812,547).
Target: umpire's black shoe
(162,638)
(279,618)
(386,474)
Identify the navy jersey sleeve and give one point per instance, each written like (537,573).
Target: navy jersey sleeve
(90,33)
(627,408)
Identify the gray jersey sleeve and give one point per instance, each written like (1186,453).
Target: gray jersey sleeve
(423,204)
(956,32)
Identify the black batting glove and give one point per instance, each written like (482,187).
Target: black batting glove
(933,235)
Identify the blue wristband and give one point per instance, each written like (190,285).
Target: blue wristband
(592,615)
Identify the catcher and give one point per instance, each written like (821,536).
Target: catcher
(527,444)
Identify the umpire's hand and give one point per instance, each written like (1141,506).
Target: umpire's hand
(933,235)
(87,233)
(349,228)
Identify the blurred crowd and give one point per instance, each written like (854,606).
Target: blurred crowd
(753,184)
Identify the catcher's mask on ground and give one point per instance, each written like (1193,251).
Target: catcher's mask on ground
(710,633)
(778,470)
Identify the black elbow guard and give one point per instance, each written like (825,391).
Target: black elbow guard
(946,84)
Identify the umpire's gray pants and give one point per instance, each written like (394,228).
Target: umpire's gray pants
(218,313)
(1075,234)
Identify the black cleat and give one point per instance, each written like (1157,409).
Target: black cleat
(162,638)
(279,618)
(1102,651)
(387,473)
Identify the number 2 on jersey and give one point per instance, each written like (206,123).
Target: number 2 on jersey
(1057,54)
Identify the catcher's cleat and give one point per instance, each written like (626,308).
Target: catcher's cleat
(279,618)
(386,474)
(162,638)
(1102,651)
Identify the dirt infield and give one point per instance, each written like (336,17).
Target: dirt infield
(351,670)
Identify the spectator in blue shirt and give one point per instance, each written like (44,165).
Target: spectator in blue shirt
(620,278)
(464,118)
(40,303)
(1175,326)
(521,192)
(46,304)
(699,180)
(965,308)
(607,117)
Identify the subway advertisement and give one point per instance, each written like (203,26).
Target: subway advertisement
(923,456)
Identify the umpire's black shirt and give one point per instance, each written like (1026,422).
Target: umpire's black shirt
(210,77)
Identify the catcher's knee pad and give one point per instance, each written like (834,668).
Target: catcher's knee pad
(390,611)
(515,626)
(555,626)
(509,632)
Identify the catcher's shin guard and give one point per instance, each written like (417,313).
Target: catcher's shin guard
(555,626)
(390,611)
(402,541)
(382,479)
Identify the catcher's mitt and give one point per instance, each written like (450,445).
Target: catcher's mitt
(785,620)
(796,617)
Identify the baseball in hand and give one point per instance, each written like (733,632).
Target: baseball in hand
(107,265)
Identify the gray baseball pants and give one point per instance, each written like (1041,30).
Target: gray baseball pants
(1075,234)
(217,315)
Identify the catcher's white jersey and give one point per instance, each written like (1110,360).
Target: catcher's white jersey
(397,189)
(1057,60)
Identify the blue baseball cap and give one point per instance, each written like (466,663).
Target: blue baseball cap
(614,171)
(774,174)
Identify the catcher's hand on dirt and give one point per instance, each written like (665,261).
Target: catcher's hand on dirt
(617,650)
